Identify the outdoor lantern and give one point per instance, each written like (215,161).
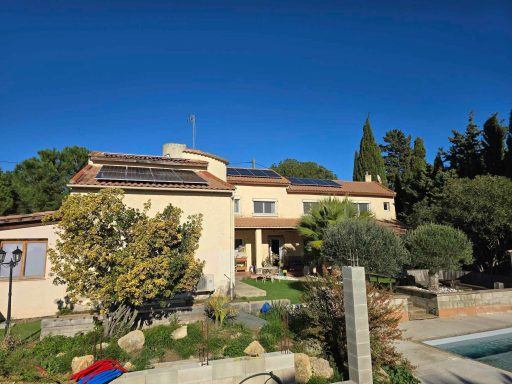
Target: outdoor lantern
(16,255)
(2,255)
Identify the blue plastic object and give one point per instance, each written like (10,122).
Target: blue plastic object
(265,308)
(101,378)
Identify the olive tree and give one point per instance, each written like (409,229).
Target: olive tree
(372,245)
(119,257)
(438,247)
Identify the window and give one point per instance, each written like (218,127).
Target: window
(264,207)
(307,205)
(236,205)
(386,206)
(33,259)
(362,207)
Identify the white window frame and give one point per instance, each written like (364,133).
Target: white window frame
(267,201)
(362,202)
(234,205)
(388,204)
(308,201)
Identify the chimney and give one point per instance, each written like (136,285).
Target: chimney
(173,150)
(368,177)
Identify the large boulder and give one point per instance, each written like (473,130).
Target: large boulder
(254,349)
(132,342)
(321,368)
(79,363)
(179,333)
(303,371)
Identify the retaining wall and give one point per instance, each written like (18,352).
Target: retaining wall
(225,371)
(403,304)
(461,303)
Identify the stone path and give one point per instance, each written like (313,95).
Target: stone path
(440,367)
(246,290)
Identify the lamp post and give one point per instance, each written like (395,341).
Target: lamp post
(15,259)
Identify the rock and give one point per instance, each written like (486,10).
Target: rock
(81,362)
(60,354)
(102,346)
(303,370)
(179,333)
(132,342)
(254,349)
(129,366)
(310,347)
(321,368)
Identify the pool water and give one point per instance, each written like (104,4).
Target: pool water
(493,348)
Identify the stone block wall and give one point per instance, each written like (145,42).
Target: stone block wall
(402,303)
(225,371)
(67,325)
(474,302)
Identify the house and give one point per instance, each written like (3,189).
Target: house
(243,209)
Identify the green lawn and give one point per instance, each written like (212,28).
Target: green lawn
(279,289)
(26,330)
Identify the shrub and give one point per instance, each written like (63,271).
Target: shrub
(437,247)
(375,247)
(323,318)
(218,308)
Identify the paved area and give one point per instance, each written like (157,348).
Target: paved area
(434,366)
(246,290)
(250,321)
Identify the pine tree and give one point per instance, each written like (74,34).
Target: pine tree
(369,158)
(494,145)
(508,155)
(418,162)
(397,155)
(465,153)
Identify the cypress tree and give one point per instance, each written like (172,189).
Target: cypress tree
(418,162)
(397,155)
(355,173)
(493,146)
(438,163)
(369,158)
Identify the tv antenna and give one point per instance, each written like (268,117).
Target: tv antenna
(192,120)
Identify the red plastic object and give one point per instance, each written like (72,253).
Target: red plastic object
(98,367)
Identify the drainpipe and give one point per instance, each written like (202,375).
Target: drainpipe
(232,249)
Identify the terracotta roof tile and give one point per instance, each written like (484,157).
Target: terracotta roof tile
(265,222)
(86,177)
(24,218)
(98,156)
(206,154)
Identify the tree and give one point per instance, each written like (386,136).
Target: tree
(375,247)
(397,156)
(481,208)
(307,169)
(493,147)
(438,247)
(327,212)
(438,165)
(40,182)
(508,155)
(369,158)
(119,257)
(7,196)
(418,162)
(465,152)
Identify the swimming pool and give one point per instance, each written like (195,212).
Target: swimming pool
(493,347)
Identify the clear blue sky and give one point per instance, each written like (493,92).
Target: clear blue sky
(269,80)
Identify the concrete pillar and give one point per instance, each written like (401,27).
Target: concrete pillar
(356,317)
(258,241)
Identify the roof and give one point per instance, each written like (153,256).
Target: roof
(87,177)
(206,154)
(265,222)
(348,188)
(291,223)
(23,220)
(97,155)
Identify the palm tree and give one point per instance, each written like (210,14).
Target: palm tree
(327,212)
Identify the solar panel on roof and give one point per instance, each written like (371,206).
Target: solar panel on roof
(249,172)
(313,182)
(148,174)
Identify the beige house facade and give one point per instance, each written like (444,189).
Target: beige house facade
(243,215)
